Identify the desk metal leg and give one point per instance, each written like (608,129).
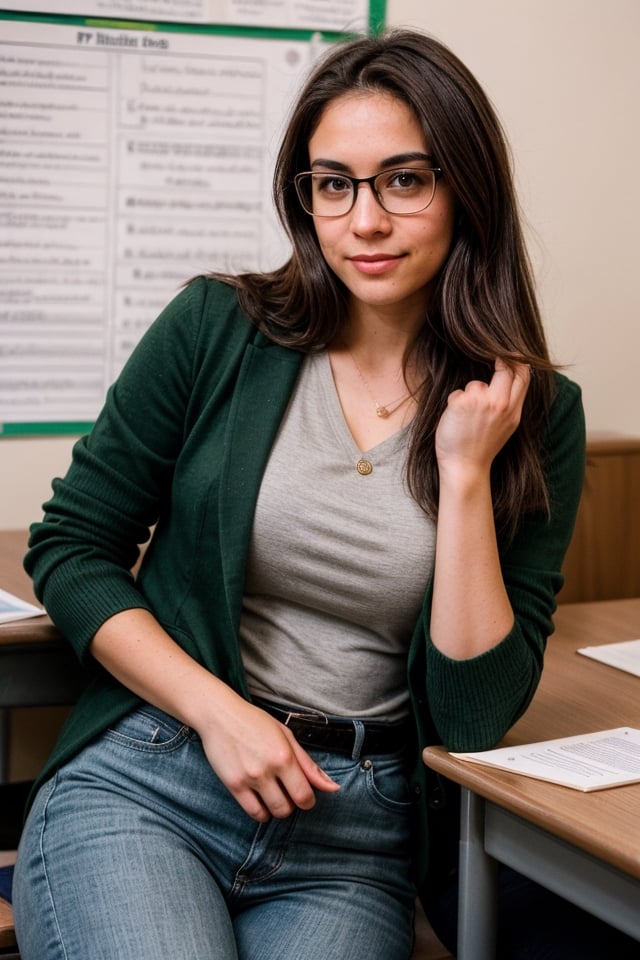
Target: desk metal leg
(477,895)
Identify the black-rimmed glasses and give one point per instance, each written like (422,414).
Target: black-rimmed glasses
(405,190)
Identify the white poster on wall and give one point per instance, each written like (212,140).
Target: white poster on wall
(131,160)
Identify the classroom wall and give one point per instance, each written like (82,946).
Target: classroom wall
(564,76)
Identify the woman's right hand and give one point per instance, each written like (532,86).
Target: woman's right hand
(260,762)
(257,758)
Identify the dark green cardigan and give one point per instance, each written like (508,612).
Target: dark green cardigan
(182,442)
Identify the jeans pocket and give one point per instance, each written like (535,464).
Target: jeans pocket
(150,730)
(387,783)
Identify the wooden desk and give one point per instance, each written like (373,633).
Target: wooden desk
(584,846)
(13,546)
(37,668)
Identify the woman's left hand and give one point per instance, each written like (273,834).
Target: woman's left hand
(479,420)
(471,611)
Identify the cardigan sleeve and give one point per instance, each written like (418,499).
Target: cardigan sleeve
(474,702)
(81,553)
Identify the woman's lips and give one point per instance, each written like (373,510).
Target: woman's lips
(374,263)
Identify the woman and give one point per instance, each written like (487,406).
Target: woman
(362,472)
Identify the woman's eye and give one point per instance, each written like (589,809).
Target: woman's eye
(333,185)
(405,179)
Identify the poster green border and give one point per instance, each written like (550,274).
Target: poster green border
(377,21)
(54,429)
(377,15)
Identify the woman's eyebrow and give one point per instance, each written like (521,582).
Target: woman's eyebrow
(395,161)
(400,158)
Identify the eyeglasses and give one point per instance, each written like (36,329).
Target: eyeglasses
(405,191)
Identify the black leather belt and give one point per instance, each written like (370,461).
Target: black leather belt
(338,735)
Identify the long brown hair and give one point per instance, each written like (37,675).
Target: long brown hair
(483,305)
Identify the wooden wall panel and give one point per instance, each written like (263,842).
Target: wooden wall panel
(603,560)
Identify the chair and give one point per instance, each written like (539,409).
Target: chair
(12,802)
(8,946)
(427,945)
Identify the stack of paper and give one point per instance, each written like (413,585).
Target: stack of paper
(13,608)
(625,656)
(589,762)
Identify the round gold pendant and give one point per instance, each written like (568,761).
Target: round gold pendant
(364,467)
(382,412)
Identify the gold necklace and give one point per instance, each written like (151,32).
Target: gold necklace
(383,410)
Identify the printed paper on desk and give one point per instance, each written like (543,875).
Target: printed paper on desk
(13,608)
(625,655)
(593,761)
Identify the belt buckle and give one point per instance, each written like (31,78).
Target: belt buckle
(307,718)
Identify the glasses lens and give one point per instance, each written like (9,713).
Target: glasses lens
(407,190)
(325,194)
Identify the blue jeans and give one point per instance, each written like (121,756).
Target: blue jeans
(136,850)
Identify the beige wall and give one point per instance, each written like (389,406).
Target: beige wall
(564,76)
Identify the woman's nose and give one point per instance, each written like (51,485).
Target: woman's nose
(367,214)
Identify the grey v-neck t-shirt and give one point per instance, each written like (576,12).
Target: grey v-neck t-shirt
(338,564)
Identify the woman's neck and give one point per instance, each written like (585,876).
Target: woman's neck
(376,377)
(381,337)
